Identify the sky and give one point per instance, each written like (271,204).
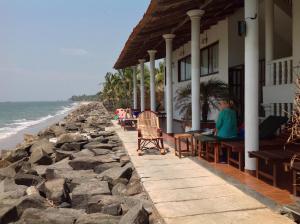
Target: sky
(53,49)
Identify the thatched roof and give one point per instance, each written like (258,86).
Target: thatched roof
(169,16)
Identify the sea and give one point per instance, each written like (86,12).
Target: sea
(18,118)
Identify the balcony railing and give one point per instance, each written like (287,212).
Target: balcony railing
(282,71)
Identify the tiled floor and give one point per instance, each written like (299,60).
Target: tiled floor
(184,191)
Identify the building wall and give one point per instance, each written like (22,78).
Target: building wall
(231,45)
(214,34)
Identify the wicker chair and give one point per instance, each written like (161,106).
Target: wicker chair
(149,132)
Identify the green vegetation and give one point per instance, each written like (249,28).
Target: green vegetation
(118,87)
(84,97)
(210,91)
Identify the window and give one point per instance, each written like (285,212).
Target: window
(210,59)
(184,68)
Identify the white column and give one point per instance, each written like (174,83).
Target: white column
(251,82)
(269,39)
(152,80)
(195,16)
(169,89)
(142,84)
(134,87)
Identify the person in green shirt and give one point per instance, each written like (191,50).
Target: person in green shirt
(226,126)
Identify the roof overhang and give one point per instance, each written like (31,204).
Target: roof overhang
(169,16)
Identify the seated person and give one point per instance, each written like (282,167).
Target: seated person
(226,126)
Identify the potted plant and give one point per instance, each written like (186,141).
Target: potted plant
(210,92)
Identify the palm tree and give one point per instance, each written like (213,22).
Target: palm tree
(210,92)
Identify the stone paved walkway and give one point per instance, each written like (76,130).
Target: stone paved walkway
(184,192)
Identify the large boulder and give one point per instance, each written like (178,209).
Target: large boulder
(61,154)
(98,218)
(9,189)
(56,190)
(98,145)
(133,188)
(99,152)
(105,166)
(136,215)
(50,216)
(87,162)
(106,204)
(83,192)
(73,146)
(15,155)
(44,145)
(27,179)
(114,174)
(11,170)
(119,189)
(84,153)
(70,138)
(52,131)
(39,156)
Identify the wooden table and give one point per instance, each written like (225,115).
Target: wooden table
(188,138)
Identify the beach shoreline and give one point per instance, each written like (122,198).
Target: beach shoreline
(13,140)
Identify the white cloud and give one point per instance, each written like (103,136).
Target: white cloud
(73,51)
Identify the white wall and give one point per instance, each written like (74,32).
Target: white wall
(215,33)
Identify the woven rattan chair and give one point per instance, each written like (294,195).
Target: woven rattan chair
(149,132)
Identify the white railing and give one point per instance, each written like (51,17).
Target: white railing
(282,109)
(282,71)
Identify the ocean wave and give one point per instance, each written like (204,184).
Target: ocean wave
(21,124)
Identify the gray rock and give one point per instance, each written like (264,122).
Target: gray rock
(71,127)
(39,156)
(83,192)
(105,166)
(84,153)
(94,145)
(8,213)
(56,190)
(15,155)
(50,216)
(133,188)
(30,201)
(106,204)
(136,215)
(43,145)
(70,138)
(119,189)
(98,218)
(115,173)
(129,202)
(61,154)
(124,159)
(8,189)
(73,146)
(11,170)
(87,162)
(99,152)
(52,131)
(27,179)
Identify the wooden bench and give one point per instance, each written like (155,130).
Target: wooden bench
(238,147)
(203,144)
(273,158)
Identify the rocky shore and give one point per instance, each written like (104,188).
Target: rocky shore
(73,172)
